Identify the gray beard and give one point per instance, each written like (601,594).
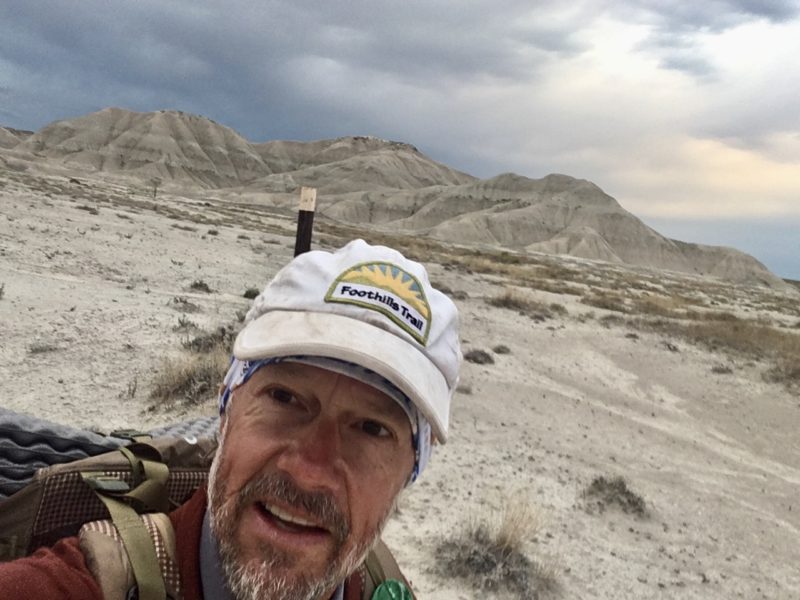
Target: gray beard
(258,579)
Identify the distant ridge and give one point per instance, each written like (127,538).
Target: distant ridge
(375,182)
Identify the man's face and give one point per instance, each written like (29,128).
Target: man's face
(308,469)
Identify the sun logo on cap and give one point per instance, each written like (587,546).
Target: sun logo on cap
(388,289)
(393,279)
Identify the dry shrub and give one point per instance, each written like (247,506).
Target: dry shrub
(479,357)
(660,306)
(604,491)
(206,341)
(198,285)
(712,315)
(41,348)
(491,552)
(786,372)
(606,300)
(750,338)
(514,300)
(190,378)
(183,304)
(554,287)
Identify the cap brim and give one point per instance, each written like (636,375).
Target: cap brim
(291,333)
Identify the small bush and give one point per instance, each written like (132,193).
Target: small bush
(90,209)
(501,349)
(183,304)
(606,301)
(491,552)
(514,300)
(205,341)
(198,285)
(251,293)
(604,491)
(479,357)
(184,227)
(185,324)
(2,290)
(41,348)
(786,372)
(464,388)
(213,232)
(192,379)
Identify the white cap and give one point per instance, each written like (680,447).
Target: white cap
(367,305)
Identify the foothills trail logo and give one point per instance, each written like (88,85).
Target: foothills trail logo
(388,289)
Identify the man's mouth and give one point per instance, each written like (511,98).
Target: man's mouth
(287,521)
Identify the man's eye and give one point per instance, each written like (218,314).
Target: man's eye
(282,396)
(373,428)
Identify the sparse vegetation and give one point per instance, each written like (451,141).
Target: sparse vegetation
(614,491)
(213,232)
(786,372)
(184,227)
(479,357)
(92,210)
(514,300)
(183,304)
(198,285)
(251,293)
(205,341)
(192,378)
(41,348)
(501,349)
(2,290)
(185,324)
(606,301)
(492,552)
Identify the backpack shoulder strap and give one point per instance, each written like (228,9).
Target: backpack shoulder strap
(111,560)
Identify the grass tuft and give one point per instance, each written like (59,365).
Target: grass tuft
(206,341)
(198,285)
(190,378)
(491,552)
(604,491)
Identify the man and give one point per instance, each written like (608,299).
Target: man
(340,383)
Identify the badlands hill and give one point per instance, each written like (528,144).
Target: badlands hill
(377,183)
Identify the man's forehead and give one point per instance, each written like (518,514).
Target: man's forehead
(312,375)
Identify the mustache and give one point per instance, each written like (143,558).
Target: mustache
(320,505)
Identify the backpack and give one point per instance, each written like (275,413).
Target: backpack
(116,502)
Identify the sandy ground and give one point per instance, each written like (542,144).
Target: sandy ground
(88,311)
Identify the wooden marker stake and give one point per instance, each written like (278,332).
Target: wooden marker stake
(305,220)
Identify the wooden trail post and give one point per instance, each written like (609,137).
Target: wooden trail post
(305,220)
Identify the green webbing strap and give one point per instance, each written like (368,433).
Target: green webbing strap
(149,482)
(148,492)
(138,545)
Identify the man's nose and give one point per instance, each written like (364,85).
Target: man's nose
(314,457)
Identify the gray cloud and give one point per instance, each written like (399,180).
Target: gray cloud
(241,60)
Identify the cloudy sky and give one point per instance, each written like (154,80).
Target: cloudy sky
(687,112)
